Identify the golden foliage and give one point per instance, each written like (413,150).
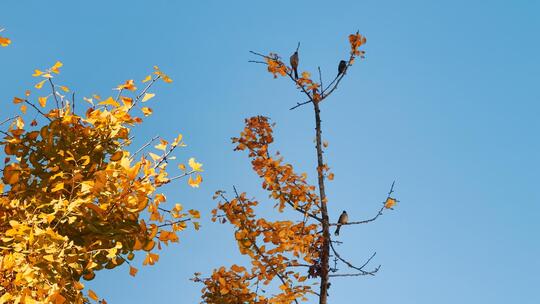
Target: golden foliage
(73,197)
(277,249)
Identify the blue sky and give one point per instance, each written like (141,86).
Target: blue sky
(446,103)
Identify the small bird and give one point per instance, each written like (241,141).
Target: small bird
(343,219)
(294,64)
(342,67)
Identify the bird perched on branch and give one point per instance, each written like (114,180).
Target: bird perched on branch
(343,219)
(294,63)
(342,67)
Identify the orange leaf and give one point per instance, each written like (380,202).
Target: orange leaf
(390,203)
(43,101)
(132,271)
(92,295)
(4,41)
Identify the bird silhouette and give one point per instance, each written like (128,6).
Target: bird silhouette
(343,219)
(342,67)
(294,63)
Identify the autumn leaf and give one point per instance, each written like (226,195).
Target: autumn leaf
(146,111)
(151,259)
(195,182)
(195,166)
(147,78)
(162,145)
(148,96)
(55,68)
(92,295)
(390,203)
(43,101)
(109,102)
(4,41)
(39,85)
(128,85)
(133,271)
(194,213)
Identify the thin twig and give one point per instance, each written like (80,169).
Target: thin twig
(144,146)
(379,213)
(144,91)
(8,119)
(54,93)
(360,269)
(37,109)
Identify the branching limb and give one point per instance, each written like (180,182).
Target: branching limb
(379,213)
(144,146)
(360,269)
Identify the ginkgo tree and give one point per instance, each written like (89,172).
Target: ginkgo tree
(75,198)
(295,254)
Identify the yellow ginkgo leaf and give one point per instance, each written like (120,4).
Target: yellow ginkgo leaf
(20,123)
(195,166)
(56,66)
(148,96)
(58,187)
(177,140)
(17,100)
(146,111)
(64,88)
(128,85)
(43,101)
(39,85)
(162,145)
(37,73)
(109,102)
(85,160)
(147,78)
(195,182)
(154,156)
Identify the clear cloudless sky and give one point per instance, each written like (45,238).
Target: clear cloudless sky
(446,103)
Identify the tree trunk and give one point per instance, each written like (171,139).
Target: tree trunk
(325,252)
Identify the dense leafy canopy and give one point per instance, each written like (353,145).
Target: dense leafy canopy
(74,199)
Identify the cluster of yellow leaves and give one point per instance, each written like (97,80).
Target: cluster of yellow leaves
(73,198)
(276,248)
